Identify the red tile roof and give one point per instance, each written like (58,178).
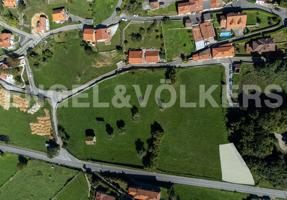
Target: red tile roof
(190,7)
(59,15)
(141,194)
(223,51)
(89,35)
(207,30)
(5,40)
(102,196)
(9,3)
(152,56)
(102,35)
(204,55)
(233,21)
(41,25)
(136,57)
(196,34)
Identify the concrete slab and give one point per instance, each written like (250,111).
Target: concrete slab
(233,167)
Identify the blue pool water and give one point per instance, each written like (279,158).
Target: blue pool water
(225,34)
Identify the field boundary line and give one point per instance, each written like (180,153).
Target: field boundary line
(9,180)
(66,185)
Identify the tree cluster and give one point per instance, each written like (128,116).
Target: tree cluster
(154,142)
(252,131)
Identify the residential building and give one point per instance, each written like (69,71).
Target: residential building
(154,4)
(136,57)
(203,34)
(102,35)
(203,55)
(223,51)
(142,194)
(60,15)
(6,40)
(263,45)
(42,24)
(89,35)
(190,7)
(10,3)
(152,56)
(233,21)
(102,196)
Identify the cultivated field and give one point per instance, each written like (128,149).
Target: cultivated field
(191,134)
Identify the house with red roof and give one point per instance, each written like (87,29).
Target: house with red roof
(10,3)
(6,40)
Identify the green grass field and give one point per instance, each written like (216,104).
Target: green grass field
(8,164)
(261,19)
(177,40)
(20,135)
(76,189)
(150,36)
(70,64)
(197,193)
(103,9)
(191,134)
(37,181)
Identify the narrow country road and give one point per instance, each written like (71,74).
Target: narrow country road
(68,160)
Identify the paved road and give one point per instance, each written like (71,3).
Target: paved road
(67,160)
(16,30)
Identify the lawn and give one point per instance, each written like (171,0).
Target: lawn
(177,40)
(8,164)
(70,64)
(191,134)
(37,181)
(149,36)
(198,193)
(76,189)
(260,19)
(20,135)
(103,9)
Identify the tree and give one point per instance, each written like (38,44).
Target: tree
(170,74)
(109,130)
(53,149)
(140,147)
(4,138)
(135,113)
(22,162)
(64,135)
(121,125)
(136,37)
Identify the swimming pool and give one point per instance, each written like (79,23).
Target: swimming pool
(225,34)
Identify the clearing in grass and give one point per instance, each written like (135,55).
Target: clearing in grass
(190,134)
